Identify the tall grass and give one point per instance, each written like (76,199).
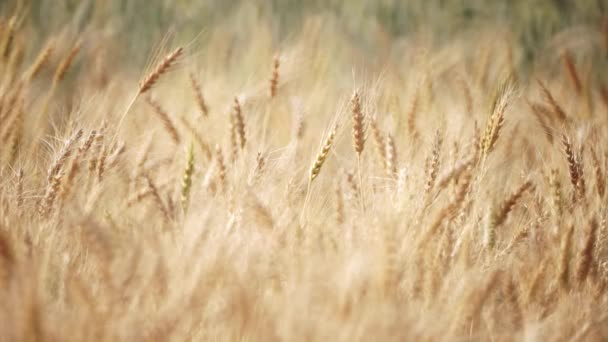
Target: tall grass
(224,191)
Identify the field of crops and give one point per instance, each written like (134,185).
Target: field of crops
(303,170)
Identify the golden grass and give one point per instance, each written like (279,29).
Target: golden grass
(205,216)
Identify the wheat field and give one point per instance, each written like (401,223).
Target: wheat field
(246,183)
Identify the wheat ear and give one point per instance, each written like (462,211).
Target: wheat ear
(557,110)
(564,259)
(316,167)
(238,122)
(274,78)
(572,72)
(574,167)
(160,70)
(41,60)
(198,93)
(358,139)
(187,177)
(585,263)
(166,120)
(148,82)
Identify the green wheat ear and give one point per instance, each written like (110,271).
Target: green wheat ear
(187,177)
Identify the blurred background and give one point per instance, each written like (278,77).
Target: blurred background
(138,25)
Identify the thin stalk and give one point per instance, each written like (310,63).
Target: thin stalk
(361,199)
(306,200)
(123,116)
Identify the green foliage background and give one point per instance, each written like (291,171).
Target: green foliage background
(140,24)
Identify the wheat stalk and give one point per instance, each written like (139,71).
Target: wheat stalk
(585,260)
(338,204)
(64,154)
(412,116)
(574,167)
(19,197)
(207,150)
(166,120)
(358,138)
(41,60)
(238,123)
(557,110)
(50,195)
(186,184)
(357,119)
(433,163)
(564,259)
(274,78)
(66,63)
(507,206)
(379,141)
(501,100)
(322,155)
(600,181)
(157,198)
(149,82)
(221,167)
(260,165)
(499,216)
(101,162)
(198,93)
(556,193)
(391,156)
(571,71)
(152,78)
(449,211)
(317,165)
